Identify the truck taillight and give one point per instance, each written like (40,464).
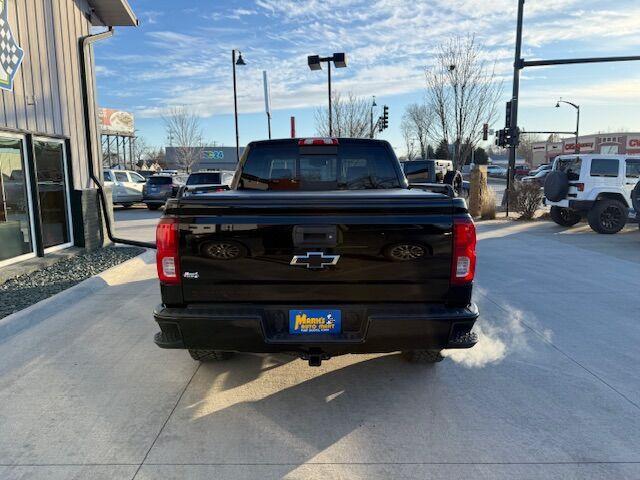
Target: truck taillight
(167,260)
(463,266)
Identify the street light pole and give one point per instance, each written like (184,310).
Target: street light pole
(330,109)
(238,61)
(373,105)
(315,63)
(577,107)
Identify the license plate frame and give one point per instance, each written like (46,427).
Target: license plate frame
(314,321)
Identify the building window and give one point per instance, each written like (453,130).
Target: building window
(609,149)
(53,192)
(15,218)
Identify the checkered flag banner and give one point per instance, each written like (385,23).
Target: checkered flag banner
(10,53)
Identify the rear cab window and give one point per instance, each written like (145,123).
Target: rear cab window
(349,166)
(204,178)
(605,167)
(159,181)
(121,176)
(416,170)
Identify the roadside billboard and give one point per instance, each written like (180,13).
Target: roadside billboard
(116,122)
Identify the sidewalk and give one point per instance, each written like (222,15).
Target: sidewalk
(551,390)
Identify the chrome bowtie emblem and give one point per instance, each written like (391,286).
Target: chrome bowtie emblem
(315,260)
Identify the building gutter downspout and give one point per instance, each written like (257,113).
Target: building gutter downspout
(85,43)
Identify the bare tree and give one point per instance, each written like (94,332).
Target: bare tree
(156,158)
(185,130)
(409,140)
(418,121)
(463,91)
(525,148)
(140,150)
(350,117)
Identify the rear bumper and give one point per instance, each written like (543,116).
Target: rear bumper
(127,198)
(366,329)
(155,201)
(577,205)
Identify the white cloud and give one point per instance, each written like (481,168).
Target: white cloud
(151,16)
(389,43)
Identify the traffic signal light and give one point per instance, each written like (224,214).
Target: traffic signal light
(508,138)
(383,121)
(485,132)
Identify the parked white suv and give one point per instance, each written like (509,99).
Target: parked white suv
(126,186)
(599,187)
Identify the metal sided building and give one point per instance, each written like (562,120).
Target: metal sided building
(49,141)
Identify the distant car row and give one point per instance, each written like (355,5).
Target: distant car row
(130,187)
(499,171)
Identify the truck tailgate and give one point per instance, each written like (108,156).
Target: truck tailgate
(307,247)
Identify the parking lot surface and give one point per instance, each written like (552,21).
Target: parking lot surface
(551,391)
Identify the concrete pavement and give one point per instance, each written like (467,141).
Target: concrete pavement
(136,223)
(551,390)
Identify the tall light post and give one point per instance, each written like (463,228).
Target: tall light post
(577,107)
(238,61)
(315,63)
(267,100)
(373,105)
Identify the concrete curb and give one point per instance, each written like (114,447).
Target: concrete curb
(38,312)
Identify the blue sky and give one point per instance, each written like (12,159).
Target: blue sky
(181,55)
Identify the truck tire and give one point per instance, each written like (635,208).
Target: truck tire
(556,186)
(608,216)
(423,356)
(454,178)
(210,355)
(565,216)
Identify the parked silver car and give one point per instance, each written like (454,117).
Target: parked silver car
(126,186)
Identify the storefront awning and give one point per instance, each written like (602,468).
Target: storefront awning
(114,13)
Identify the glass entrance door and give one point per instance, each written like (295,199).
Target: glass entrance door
(16,241)
(53,194)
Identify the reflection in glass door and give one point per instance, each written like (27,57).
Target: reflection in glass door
(15,217)
(52,192)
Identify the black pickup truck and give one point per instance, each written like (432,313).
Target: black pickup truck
(320,248)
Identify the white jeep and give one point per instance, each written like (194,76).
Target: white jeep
(604,188)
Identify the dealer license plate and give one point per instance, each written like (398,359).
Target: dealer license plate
(315,321)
